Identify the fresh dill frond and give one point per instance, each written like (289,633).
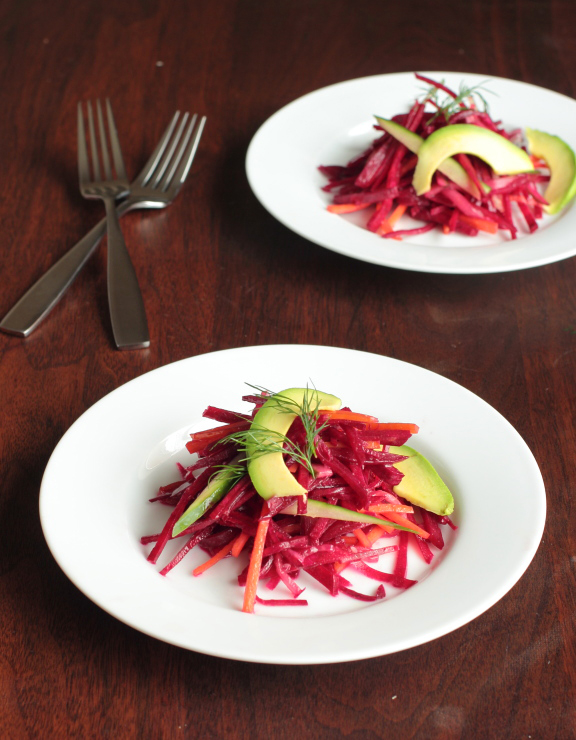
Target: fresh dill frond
(235,469)
(264,441)
(472,97)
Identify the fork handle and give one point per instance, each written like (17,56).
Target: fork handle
(127,313)
(40,299)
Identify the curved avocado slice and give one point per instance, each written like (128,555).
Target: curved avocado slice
(562,164)
(268,472)
(449,167)
(504,157)
(421,484)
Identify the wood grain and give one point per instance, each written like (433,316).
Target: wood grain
(217,271)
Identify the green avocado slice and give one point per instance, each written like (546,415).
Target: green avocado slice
(562,164)
(421,484)
(502,155)
(449,167)
(320,509)
(216,489)
(268,472)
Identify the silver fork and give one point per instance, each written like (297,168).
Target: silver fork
(127,312)
(156,186)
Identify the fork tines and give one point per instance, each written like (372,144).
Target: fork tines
(170,162)
(99,152)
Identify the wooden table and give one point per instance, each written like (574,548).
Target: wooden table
(217,271)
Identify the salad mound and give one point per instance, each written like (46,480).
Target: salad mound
(300,485)
(466,193)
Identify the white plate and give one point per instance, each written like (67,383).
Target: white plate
(94,508)
(332,125)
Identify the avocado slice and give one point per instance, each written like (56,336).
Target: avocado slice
(562,164)
(216,489)
(504,157)
(449,167)
(320,509)
(267,470)
(421,484)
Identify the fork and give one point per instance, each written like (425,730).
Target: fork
(156,186)
(127,313)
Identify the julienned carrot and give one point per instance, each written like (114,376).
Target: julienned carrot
(378,531)
(371,422)
(220,555)
(256,562)
(399,519)
(200,440)
(396,214)
(347,415)
(239,543)
(398,508)
(387,224)
(479,223)
(362,538)
(347,207)
(412,428)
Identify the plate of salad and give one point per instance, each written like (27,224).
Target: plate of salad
(293,504)
(431,171)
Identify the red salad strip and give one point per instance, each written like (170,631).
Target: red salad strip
(281,602)
(352,468)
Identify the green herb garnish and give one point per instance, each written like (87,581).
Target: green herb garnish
(265,441)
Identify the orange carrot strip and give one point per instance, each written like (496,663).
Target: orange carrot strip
(339,567)
(412,428)
(347,207)
(239,543)
(377,531)
(348,415)
(385,227)
(350,539)
(214,559)
(361,537)
(199,440)
(388,223)
(396,213)
(398,508)
(480,223)
(255,564)
(403,522)
(371,421)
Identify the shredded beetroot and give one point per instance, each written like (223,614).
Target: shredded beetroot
(351,467)
(381,178)
(282,602)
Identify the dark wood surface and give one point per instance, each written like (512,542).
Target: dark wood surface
(217,271)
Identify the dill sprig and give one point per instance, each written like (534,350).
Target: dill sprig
(236,469)
(264,441)
(447,105)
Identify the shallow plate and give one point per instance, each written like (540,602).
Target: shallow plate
(334,124)
(94,508)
